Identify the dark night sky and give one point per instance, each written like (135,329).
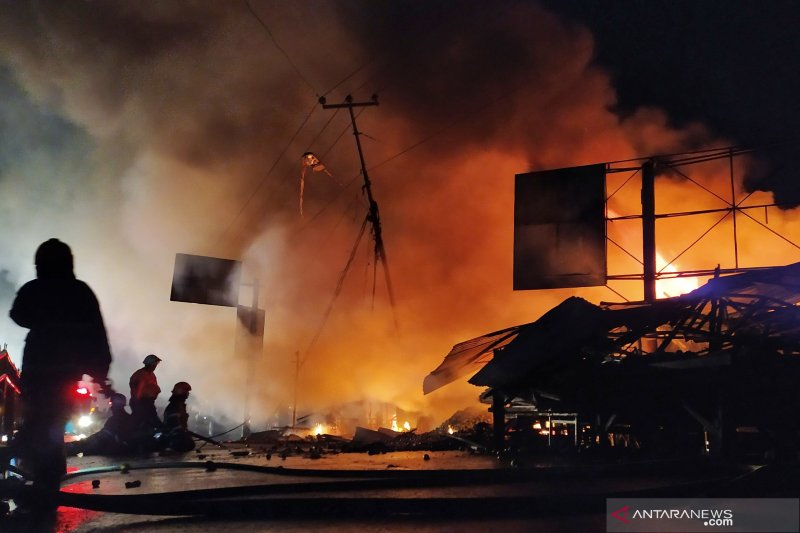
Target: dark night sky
(731,65)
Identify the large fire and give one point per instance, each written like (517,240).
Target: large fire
(668,287)
(179,143)
(406,426)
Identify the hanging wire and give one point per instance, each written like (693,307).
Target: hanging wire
(341,190)
(356,71)
(324,208)
(322,155)
(274,164)
(341,134)
(336,292)
(318,135)
(279,47)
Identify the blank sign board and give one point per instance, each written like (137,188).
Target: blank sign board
(206,280)
(559,228)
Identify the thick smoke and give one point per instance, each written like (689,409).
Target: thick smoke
(136,131)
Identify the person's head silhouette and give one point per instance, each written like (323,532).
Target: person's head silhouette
(54,260)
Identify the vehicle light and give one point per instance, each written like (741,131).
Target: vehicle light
(82,391)
(85,421)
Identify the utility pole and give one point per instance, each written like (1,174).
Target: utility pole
(649,229)
(373,216)
(296,380)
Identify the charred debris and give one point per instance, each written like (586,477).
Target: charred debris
(468,430)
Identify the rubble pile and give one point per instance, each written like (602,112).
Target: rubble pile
(463,432)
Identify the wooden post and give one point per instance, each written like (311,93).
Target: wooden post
(499,419)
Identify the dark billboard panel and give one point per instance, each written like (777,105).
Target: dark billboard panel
(206,280)
(559,228)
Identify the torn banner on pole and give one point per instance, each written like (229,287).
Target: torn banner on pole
(206,280)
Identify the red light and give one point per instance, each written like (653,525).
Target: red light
(82,390)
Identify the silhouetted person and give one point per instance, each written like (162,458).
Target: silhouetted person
(67,339)
(115,437)
(141,379)
(176,420)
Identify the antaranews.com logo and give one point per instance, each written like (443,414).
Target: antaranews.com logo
(702,514)
(709,517)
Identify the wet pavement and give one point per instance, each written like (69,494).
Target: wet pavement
(247,490)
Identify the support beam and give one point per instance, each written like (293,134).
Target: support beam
(649,230)
(499,419)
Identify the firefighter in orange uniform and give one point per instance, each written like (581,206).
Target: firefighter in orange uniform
(141,379)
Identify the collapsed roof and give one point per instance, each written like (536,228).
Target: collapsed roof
(577,341)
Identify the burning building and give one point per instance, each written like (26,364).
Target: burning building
(724,358)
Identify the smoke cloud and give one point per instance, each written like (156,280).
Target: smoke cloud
(137,131)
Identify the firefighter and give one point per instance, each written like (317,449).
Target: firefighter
(141,378)
(176,420)
(146,423)
(115,437)
(67,339)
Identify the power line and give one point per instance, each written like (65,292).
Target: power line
(338,290)
(274,164)
(458,119)
(356,71)
(279,47)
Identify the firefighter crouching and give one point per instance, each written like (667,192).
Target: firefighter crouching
(116,436)
(177,436)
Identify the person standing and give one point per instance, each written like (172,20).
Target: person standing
(143,379)
(67,339)
(147,425)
